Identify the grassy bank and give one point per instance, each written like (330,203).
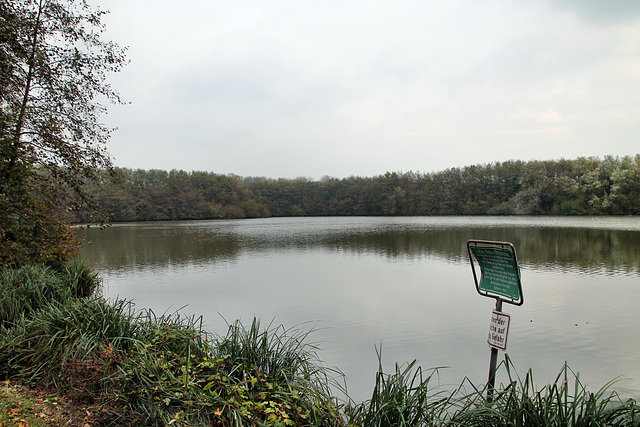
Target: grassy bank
(135,368)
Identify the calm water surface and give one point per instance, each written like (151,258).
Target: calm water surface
(403,284)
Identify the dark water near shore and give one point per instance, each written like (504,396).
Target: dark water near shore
(401,283)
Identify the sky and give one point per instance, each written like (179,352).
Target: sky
(301,88)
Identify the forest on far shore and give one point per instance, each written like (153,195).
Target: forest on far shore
(584,186)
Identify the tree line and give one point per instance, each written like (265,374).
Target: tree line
(583,186)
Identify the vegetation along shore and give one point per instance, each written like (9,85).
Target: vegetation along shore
(583,186)
(124,366)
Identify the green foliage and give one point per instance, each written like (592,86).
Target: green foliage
(51,141)
(139,369)
(31,230)
(176,195)
(175,371)
(565,402)
(281,372)
(404,398)
(161,377)
(29,289)
(79,277)
(161,370)
(68,345)
(503,208)
(585,186)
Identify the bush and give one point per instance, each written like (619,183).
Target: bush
(27,290)
(30,288)
(155,371)
(176,371)
(140,369)
(83,281)
(280,373)
(69,345)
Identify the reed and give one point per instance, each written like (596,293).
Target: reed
(143,369)
(176,371)
(68,345)
(403,398)
(156,370)
(31,288)
(26,290)
(279,361)
(407,398)
(277,353)
(80,277)
(161,377)
(564,402)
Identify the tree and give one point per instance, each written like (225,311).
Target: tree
(52,88)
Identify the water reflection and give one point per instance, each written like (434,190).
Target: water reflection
(403,282)
(585,249)
(141,245)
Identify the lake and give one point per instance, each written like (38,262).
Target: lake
(402,284)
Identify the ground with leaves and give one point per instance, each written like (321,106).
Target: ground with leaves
(22,406)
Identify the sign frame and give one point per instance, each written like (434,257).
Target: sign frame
(498,263)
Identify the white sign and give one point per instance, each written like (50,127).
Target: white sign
(499,329)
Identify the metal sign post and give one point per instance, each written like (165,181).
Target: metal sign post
(499,279)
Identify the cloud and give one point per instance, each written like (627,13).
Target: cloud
(295,88)
(601,12)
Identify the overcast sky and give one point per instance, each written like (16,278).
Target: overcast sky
(289,88)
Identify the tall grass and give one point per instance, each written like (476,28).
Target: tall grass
(67,345)
(404,398)
(282,363)
(158,370)
(275,353)
(30,288)
(141,369)
(564,402)
(82,280)
(161,377)
(26,290)
(407,398)
(250,376)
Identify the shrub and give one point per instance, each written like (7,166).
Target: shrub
(280,373)
(28,289)
(69,345)
(141,369)
(82,279)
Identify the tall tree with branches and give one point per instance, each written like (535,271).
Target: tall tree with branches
(53,91)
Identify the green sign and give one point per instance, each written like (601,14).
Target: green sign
(500,276)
